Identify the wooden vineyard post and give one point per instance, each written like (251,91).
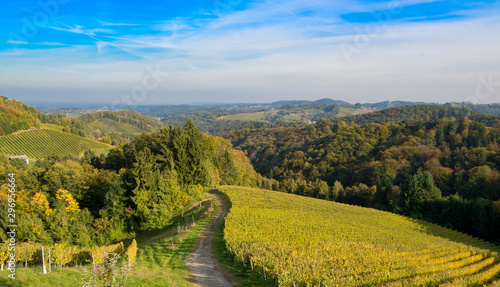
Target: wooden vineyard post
(128,259)
(43,262)
(251,266)
(243,261)
(93,260)
(265,279)
(50,263)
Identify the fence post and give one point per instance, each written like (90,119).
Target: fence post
(93,261)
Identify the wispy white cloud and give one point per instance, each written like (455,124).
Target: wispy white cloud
(51,44)
(78,29)
(16,42)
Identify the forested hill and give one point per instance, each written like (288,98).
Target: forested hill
(14,116)
(352,154)
(489,109)
(415,113)
(126,117)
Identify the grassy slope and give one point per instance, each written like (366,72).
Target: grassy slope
(157,263)
(367,247)
(41,143)
(109,126)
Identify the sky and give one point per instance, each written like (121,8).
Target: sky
(225,51)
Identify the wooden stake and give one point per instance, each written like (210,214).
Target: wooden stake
(265,279)
(49,261)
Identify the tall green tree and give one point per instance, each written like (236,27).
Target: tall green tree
(154,201)
(417,190)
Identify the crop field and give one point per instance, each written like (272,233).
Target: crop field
(45,142)
(302,241)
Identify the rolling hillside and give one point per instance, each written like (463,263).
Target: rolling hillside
(119,126)
(107,126)
(41,143)
(309,242)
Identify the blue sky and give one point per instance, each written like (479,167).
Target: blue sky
(173,52)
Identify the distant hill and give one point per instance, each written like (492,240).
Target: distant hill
(389,104)
(118,126)
(298,102)
(325,101)
(411,113)
(489,109)
(328,101)
(41,143)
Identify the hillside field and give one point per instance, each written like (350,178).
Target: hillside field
(310,242)
(41,143)
(107,126)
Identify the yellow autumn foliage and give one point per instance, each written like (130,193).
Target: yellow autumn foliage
(40,203)
(70,203)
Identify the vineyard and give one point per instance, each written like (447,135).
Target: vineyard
(41,143)
(299,241)
(62,255)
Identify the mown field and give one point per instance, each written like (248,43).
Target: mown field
(309,242)
(41,143)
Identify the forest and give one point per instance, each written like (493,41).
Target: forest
(138,186)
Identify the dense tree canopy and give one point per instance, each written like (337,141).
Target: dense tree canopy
(137,186)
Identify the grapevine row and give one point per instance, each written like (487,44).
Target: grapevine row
(309,242)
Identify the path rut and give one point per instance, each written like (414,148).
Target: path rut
(200,262)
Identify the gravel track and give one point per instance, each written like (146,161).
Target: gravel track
(201,264)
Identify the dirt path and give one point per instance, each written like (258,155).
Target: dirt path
(200,262)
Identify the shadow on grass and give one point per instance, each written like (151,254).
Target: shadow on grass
(456,236)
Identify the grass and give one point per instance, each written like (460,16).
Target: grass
(52,126)
(107,126)
(158,264)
